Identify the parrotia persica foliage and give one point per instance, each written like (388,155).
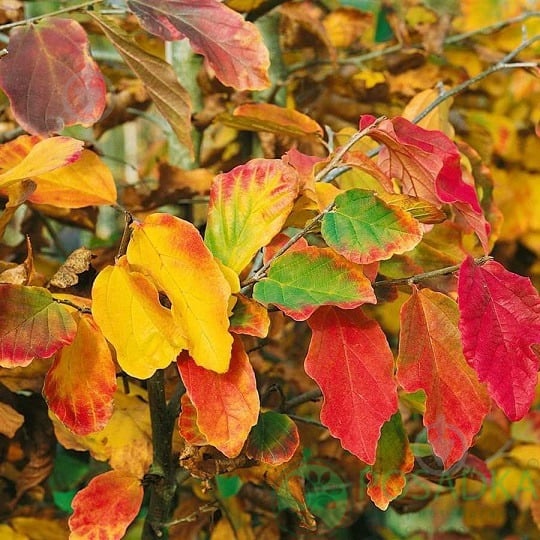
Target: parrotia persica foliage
(377,236)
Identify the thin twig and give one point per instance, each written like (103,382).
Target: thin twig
(51,14)
(310,395)
(69,303)
(208,507)
(126,236)
(411,280)
(305,420)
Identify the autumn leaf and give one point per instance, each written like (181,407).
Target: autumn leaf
(303,279)
(187,423)
(64,175)
(499,323)
(11,420)
(31,324)
(353,365)
(227,404)
(248,207)
(249,317)
(233,49)
(106,507)
(50,78)
(170,97)
(273,119)
(364,229)
(81,382)
(149,338)
(393,461)
(431,359)
(172,253)
(274,439)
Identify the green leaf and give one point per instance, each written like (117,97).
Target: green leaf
(364,229)
(274,439)
(300,281)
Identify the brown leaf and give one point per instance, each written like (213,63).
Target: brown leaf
(68,274)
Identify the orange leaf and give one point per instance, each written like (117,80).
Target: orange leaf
(50,78)
(105,507)
(248,207)
(187,423)
(173,254)
(81,382)
(64,176)
(227,404)
(31,324)
(431,359)
(148,338)
(250,317)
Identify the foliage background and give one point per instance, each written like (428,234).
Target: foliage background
(333,61)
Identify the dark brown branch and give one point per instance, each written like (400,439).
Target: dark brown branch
(311,395)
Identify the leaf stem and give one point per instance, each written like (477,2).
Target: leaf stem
(411,280)
(51,14)
(73,305)
(162,490)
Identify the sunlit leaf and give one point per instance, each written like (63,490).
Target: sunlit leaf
(42,156)
(50,78)
(272,118)
(227,404)
(394,460)
(105,507)
(274,439)
(421,210)
(31,324)
(249,317)
(499,322)
(158,77)
(148,338)
(431,359)
(301,280)
(80,385)
(64,177)
(364,229)
(248,207)
(187,423)
(353,365)
(233,48)
(172,253)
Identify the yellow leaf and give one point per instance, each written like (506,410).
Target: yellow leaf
(172,253)
(127,309)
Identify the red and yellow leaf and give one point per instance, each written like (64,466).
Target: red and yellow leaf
(394,460)
(364,229)
(148,337)
(233,48)
(272,118)
(431,359)
(50,78)
(499,322)
(105,507)
(187,423)
(248,207)
(81,382)
(303,279)
(353,365)
(31,324)
(227,404)
(274,439)
(64,176)
(249,317)
(172,253)
(39,156)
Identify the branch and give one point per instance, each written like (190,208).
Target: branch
(51,14)
(311,395)
(69,303)
(428,275)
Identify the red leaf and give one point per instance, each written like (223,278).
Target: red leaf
(105,507)
(426,161)
(232,47)
(187,423)
(81,382)
(31,324)
(499,322)
(353,365)
(431,359)
(227,404)
(249,317)
(50,78)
